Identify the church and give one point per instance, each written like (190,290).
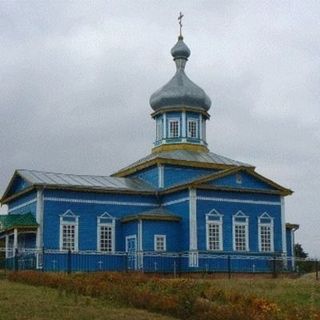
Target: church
(180,206)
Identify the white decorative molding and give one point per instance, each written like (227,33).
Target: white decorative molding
(245,223)
(184,122)
(273,203)
(270,224)
(111,224)
(22,205)
(169,203)
(217,221)
(193,245)
(164,126)
(39,219)
(120,203)
(160,176)
(283,227)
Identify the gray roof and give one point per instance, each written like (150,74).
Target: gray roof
(184,155)
(83,181)
(180,91)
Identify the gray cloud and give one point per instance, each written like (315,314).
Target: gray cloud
(76,78)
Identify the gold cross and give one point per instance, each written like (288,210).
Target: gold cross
(180,22)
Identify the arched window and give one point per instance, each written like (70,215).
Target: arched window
(106,233)
(240,232)
(265,233)
(214,230)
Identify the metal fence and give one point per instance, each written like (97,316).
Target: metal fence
(174,263)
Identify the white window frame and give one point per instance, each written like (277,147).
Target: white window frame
(112,225)
(196,121)
(169,127)
(218,222)
(69,214)
(159,129)
(269,224)
(245,223)
(164,239)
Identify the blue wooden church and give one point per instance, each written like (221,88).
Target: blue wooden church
(180,206)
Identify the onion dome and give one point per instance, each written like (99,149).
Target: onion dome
(180,91)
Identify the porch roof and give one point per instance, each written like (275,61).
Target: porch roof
(11,221)
(159,214)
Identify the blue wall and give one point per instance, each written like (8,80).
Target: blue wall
(178,174)
(228,209)
(149,175)
(30,196)
(247,181)
(18,185)
(88,207)
(168,228)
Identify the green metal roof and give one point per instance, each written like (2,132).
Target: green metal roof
(11,221)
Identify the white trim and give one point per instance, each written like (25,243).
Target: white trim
(270,224)
(160,176)
(293,256)
(200,126)
(140,245)
(283,227)
(15,239)
(245,224)
(183,127)
(22,205)
(193,219)
(174,120)
(7,246)
(155,241)
(123,203)
(39,219)
(164,126)
(169,203)
(219,222)
(111,224)
(134,236)
(239,201)
(197,127)
(69,213)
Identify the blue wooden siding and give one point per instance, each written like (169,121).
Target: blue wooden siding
(289,243)
(23,204)
(170,229)
(85,206)
(228,209)
(247,182)
(18,185)
(177,174)
(149,175)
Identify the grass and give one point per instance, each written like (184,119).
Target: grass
(303,292)
(188,299)
(24,302)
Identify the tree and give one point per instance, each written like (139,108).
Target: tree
(299,252)
(304,266)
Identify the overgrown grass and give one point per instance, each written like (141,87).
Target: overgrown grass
(24,302)
(270,299)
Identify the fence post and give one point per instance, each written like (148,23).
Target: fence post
(69,262)
(16,262)
(274,267)
(317,269)
(229,267)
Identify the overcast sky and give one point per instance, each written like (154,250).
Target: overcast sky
(76,77)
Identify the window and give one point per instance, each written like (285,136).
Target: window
(214,230)
(106,233)
(193,128)
(266,233)
(174,128)
(69,231)
(240,232)
(238,178)
(160,242)
(159,129)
